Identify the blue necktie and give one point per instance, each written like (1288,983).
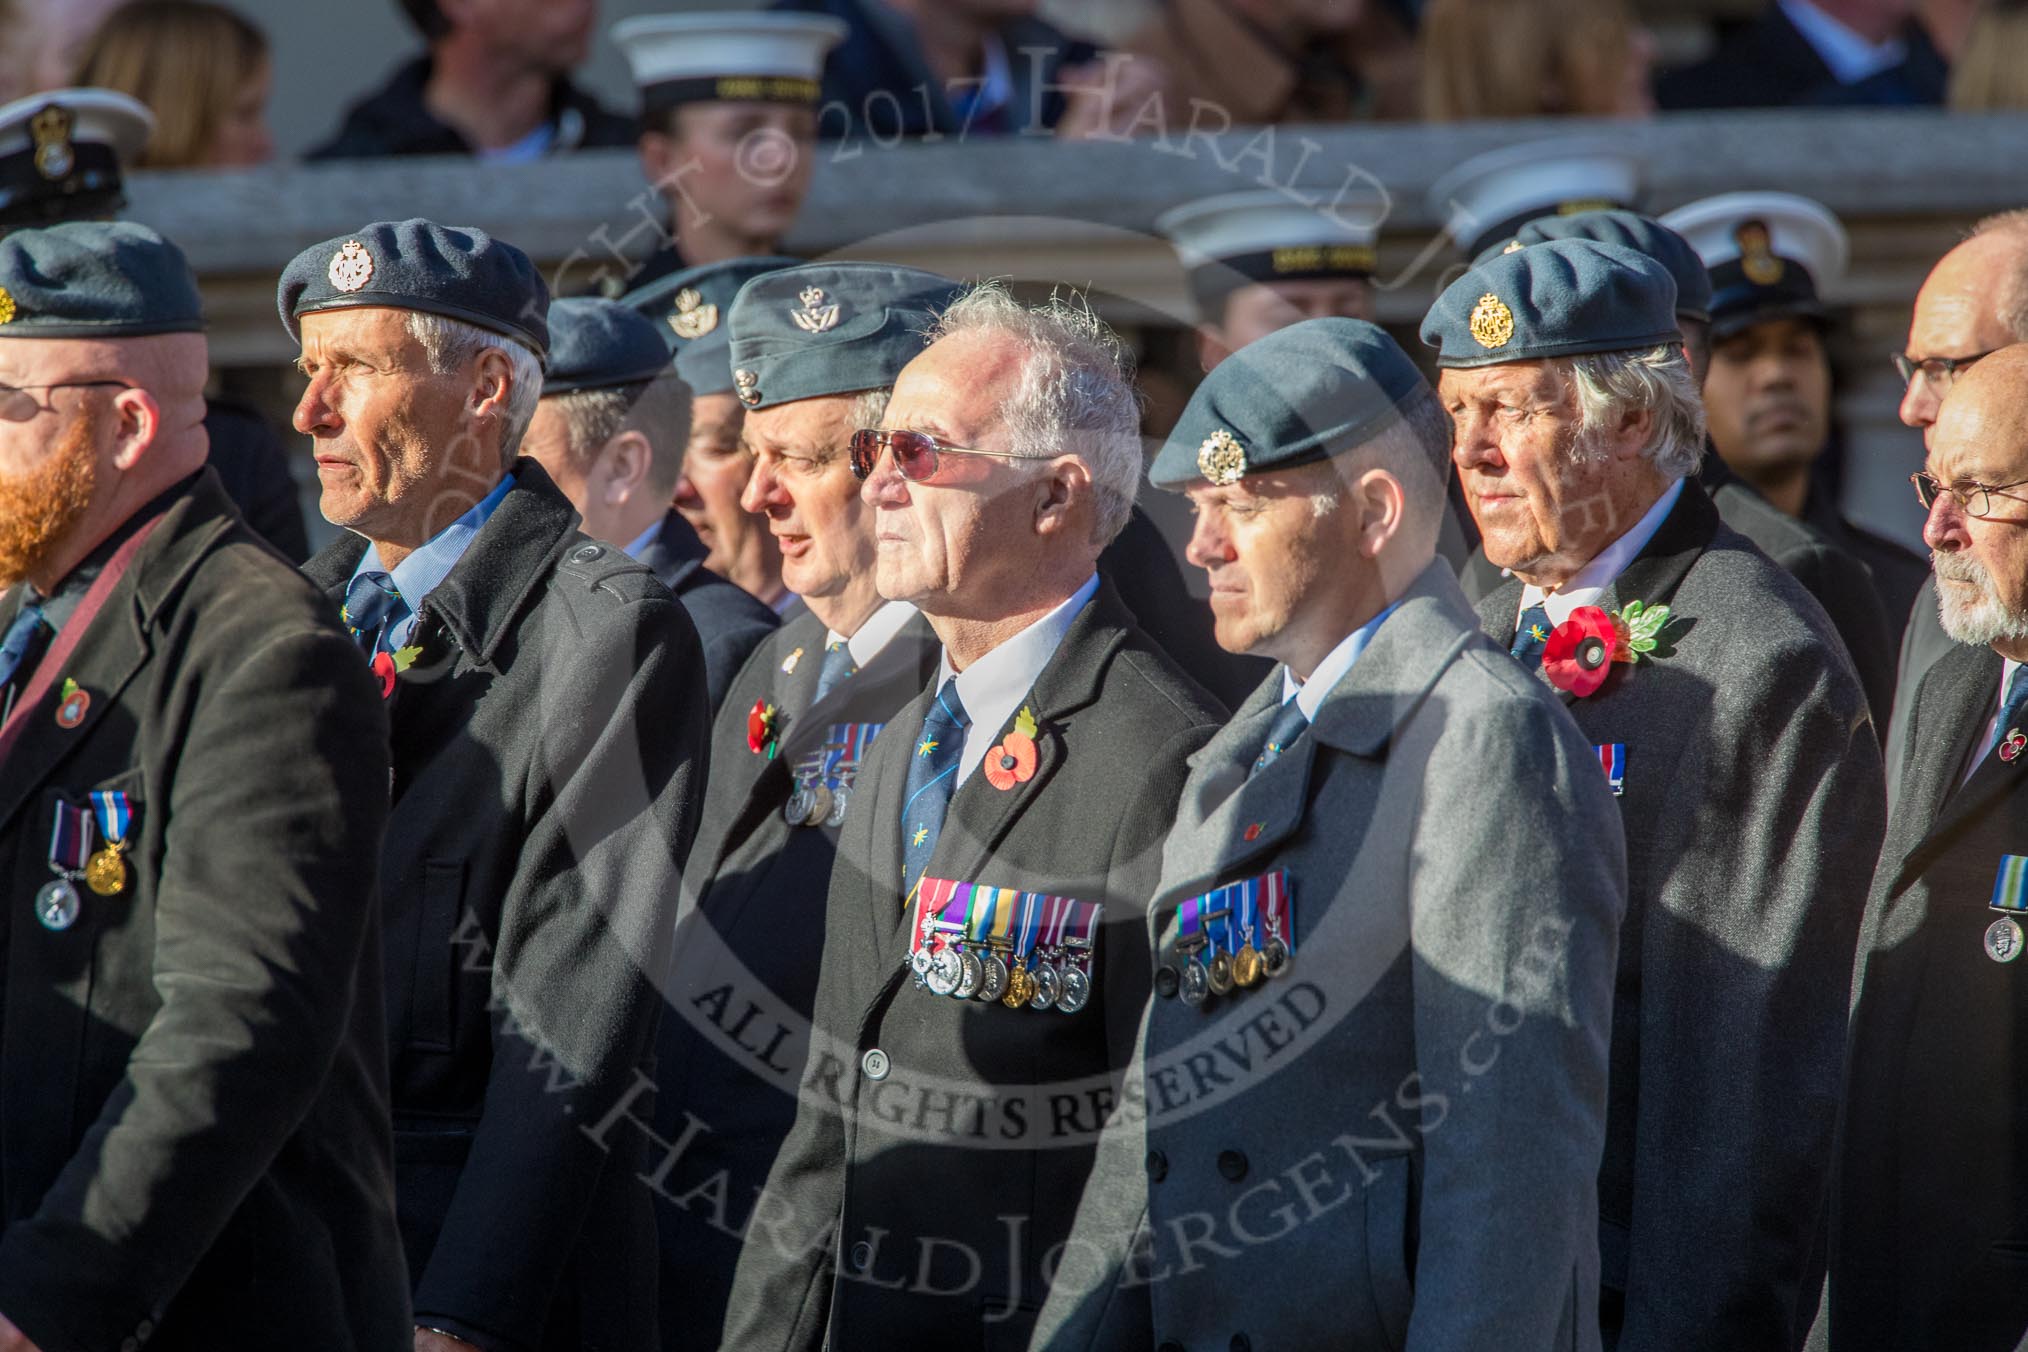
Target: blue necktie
(837,666)
(2009,722)
(1282,733)
(932,778)
(1531,636)
(21,636)
(372,608)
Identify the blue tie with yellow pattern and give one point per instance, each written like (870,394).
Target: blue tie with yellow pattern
(932,779)
(1531,636)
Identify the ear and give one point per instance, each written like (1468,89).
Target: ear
(1631,437)
(1063,493)
(1211,346)
(658,151)
(139,424)
(1380,507)
(624,464)
(492,384)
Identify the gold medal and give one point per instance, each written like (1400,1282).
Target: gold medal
(1019,988)
(1246,966)
(106,872)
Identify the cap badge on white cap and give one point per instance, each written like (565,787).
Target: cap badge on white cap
(351,266)
(1221,459)
(54,157)
(815,316)
(692,318)
(1756,254)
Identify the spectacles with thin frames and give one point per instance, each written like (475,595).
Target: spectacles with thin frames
(1938,371)
(1973,499)
(17,405)
(915,453)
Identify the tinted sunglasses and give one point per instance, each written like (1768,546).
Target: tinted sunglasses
(915,453)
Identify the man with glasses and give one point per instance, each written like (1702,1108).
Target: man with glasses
(1930,1206)
(193,786)
(984,962)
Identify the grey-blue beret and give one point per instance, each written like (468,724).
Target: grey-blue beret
(689,309)
(1303,393)
(595,344)
(1561,298)
(830,328)
(95,279)
(454,271)
(1643,234)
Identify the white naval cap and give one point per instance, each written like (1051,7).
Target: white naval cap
(1234,239)
(732,55)
(1768,254)
(1495,194)
(61,153)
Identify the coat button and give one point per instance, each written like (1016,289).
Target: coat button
(1232,1165)
(145,1331)
(1241,1343)
(588,554)
(862,1256)
(874,1063)
(1158,1165)
(130,1345)
(1166,982)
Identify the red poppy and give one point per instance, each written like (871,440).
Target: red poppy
(760,728)
(1581,650)
(1012,762)
(384,668)
(1253,830)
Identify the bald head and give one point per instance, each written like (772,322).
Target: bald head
(1974,301)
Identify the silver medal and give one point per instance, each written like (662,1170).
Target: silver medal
(840,796)
(1048,985)
(945,971)
(973,974)
(919,963)
(1275,957)
(56,905)
(994,984)
(797,809)
(1196,982)
(1076,990)
(2003,940)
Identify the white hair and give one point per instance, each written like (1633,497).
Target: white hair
(1076,391)
(450,343)
(1611,385)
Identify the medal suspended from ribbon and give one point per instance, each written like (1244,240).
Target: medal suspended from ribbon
(57,904)
(106,872)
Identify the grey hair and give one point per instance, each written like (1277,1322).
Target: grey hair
(450,343)
(869,407)
(658,409)
(1610,385)
(2010,297)
(1076,391)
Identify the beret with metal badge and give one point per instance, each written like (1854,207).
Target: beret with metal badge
(454,271)
(689,310)
(95,279)
(1643,234)
(1300,394)
(596,344)
(1560,298)
(830,328)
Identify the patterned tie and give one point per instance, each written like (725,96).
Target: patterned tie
(2010,739)
(837,666)
(932,778)
(372,608)
(21,638)
(1531,636)
(1282,734)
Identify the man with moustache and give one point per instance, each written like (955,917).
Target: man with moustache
(547,704)
(1398,835)
(193,1103)
(689,309)
(982,934)
(610,431)
(1749,775)
(786,751)
(1929,1206)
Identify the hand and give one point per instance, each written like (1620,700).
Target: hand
(13,1339)
(426,1340)
(1103,100)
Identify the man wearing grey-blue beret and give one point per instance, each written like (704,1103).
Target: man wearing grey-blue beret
(1398,833)
(547,703)
(1724,707)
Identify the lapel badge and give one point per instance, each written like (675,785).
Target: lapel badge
(2013,745)
(1253,830)
(749,386)
(77,702)
(54,157)
(1513,246)
(1221,459)
(7,307)
(789,662)
(815,316)
(1756,254)
(1492,322)
(351,267)
(692,318)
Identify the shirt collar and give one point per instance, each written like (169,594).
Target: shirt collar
(416,576)
(1310,695)
(643,540)
(1851,57)
(1588,582)
(866,642)
(993,687)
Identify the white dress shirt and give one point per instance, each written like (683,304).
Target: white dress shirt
(1310,695)
(993,687)
(1589,582)
(878,631)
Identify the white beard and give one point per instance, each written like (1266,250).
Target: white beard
(1981,620)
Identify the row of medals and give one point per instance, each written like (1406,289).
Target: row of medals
(1246,968)
(813,803)
(57,905)
(1060,978)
